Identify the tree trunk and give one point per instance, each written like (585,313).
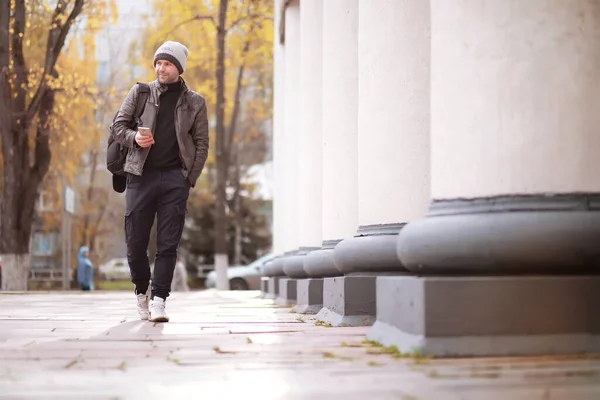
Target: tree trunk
(235,153)
(16,208)
(22,178)
(15,272)
(237,209)
(86,239)
(21,187)
(237,246)
(96,230)
(221,248)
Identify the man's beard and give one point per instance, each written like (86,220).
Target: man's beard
(166,79)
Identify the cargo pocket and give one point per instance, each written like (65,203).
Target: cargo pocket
(129,226)
(179,223)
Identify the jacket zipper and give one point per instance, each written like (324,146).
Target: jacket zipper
(177,132)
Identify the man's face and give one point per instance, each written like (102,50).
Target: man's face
(166,72)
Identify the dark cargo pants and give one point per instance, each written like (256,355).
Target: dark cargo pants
(162,194)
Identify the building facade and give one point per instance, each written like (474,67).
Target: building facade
(435,171)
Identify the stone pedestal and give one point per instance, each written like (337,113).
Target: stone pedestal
(273,272)
(309,296)
(348,301)
(264,286)
(287,292)
(293,268)
(351,300)
(273,287)
(476,316)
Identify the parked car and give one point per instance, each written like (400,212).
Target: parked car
(115,269)
(242,277)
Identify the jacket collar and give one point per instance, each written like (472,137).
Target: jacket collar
(162,87)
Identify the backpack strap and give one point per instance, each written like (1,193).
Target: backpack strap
(143,93)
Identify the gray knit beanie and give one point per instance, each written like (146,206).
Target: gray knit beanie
(173,52)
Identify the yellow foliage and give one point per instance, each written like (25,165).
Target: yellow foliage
(73,126)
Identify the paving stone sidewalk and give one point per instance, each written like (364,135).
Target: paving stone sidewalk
(234,345)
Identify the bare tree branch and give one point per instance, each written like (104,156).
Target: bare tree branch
(194,18)
(56,40)
(4,37)
(249,17)
(237,99)
(20,77)
(5,89)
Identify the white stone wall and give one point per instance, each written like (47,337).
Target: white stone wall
(515,97)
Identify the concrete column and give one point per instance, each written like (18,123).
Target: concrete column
(340,136)
(393,149)
(309,297)
(515,89)
(340,118)
(272,271)
(292,123)
(287,285)
(339,132)
(278,138)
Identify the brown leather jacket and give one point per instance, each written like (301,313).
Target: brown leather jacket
(191,127)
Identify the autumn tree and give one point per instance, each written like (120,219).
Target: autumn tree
(198,236)
(36,96)
(231,51)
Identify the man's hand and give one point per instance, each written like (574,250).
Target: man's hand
(144,140)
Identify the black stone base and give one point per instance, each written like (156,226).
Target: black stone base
(310,296)
(287,292)
(348,301)
(264,287)
(273,287)
(487,316)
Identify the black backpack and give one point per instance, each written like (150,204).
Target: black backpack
(115,152)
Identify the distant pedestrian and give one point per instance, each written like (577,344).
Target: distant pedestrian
(85,270)
(166,155)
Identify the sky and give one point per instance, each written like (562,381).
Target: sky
(113,42)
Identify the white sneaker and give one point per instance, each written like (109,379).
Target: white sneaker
(157,310)
(142,304)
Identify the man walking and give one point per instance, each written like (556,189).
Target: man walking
(163,162)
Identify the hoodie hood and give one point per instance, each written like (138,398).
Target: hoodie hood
(83,250)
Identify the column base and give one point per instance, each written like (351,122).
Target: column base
(287,292)
(320,263)
(273,287)
(264,287)
(489,316)
(348,301)
(310,296)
